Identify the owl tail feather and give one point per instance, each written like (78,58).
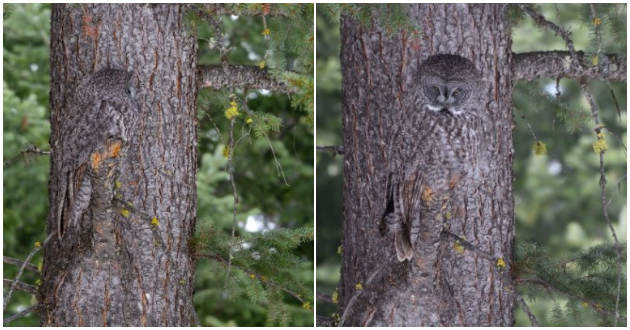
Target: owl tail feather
(404,250)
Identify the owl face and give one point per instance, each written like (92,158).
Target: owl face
(448,81)
(447,98)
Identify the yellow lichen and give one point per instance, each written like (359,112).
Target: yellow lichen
(358,286)
(40,266)
(252,276)
(38,244)
(155,222)
(600,146)
(124,212)
(458,248)
(500,263)
(306,305)
(335,296)
(339,249)
(447,215)
(540,148)
(262,64)
(232,111)
(595,60)
(597,21)
(226,151)
(249,120)
(263,279)
(118,184)
(266,32)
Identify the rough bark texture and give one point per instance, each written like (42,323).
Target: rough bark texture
(122,270)
(238,76)
(442,285)
(557,64)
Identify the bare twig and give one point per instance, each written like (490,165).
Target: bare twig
(20,314)
(323,321)
(21,271)
(20,286)
(18,262)
(327,298)
(530,315)
(334,150)
(31,150)
(230,168)
(595,114)
(262,279)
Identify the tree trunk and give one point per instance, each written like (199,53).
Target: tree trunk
(446,283)
(120,269)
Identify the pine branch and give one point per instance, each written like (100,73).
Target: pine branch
(19,274)
(18,262)
(595,113)
(549,287)
(20,286)
(238,76)
(31,150)
(325,297)
(530,315)
(247,270)
(20,314)
(334,150)
(557,64)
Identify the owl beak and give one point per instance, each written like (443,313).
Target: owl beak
(445,111)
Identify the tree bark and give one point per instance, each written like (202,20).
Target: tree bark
(443,285)
(122,269)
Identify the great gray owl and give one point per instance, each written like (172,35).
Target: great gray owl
(100,119)
(436,148)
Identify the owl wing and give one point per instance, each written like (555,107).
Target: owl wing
(85,131)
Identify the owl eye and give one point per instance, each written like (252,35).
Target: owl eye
(456,92)
(436,89)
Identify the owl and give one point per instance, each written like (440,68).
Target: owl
(436,149)
(100,119)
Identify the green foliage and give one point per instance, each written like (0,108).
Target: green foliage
(393,17)
(587,279)
(24,121)
(574,116)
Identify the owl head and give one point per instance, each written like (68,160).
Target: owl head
(448,83)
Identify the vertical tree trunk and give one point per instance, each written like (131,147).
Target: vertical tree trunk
(442,285)
(146,277)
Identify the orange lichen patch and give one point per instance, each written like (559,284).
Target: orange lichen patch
(97,158)
(427,195)
(114,149)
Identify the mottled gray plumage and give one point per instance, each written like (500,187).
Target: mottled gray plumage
(437,150)
(100,112)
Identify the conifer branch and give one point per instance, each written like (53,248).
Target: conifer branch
(31,150)
(575,62)
(557,64)
(334,150)
(20,286)
(18,262)
(327,298)
(549,287)
(238,76)
(21,271)
(260,277)
(20,314)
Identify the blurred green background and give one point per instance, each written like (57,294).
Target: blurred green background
(266,202)
(557,195)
